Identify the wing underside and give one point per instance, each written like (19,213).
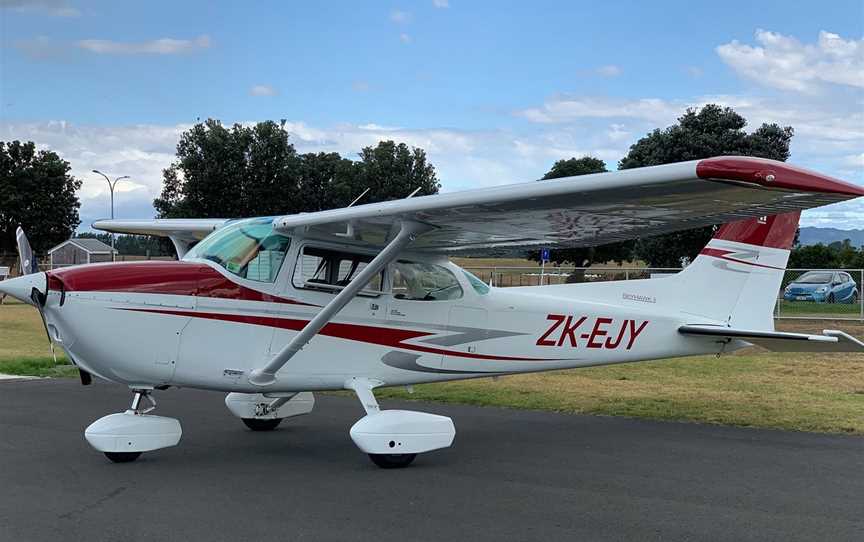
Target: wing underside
(584,211)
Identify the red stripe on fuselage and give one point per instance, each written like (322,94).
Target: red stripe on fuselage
(382,336)
(722,254)
(157,277)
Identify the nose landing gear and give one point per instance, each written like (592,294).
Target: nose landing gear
(124,436)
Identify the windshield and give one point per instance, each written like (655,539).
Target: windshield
(479,286)
(249,249)
(814,278)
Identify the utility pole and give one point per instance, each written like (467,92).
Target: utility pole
(111,186)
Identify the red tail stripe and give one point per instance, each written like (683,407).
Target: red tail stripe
(722,254)
(775,231)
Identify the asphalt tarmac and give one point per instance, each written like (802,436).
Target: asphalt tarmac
(510,475)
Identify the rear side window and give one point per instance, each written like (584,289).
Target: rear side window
(332,270)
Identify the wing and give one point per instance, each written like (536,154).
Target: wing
(584,211)
(183,232)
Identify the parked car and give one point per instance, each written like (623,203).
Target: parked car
(823,287)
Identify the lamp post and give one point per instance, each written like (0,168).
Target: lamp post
(111,186)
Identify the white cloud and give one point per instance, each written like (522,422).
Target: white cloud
(164,46)
(784,63)
(610,70)
(400,17)
(263,90)
(441,3)
(404,38)
(565,109)
(617,132)
(855,160)
(140,151)
(54,8)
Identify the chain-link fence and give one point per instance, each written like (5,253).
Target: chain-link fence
(829,294)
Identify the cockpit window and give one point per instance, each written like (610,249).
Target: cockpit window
(419,281)
(479,286)
(332,270)
(250,249)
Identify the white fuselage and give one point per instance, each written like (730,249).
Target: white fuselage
(144,330)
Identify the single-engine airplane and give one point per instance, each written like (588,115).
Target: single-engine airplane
(272,309)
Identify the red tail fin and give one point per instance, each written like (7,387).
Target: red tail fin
(775,231)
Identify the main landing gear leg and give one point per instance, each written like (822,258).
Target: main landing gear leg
(393,438)
(265,411)
(124,436)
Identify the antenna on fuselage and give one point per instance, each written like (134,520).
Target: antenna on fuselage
(414,192)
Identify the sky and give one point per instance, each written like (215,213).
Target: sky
(495,92)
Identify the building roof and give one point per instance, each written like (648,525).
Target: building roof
(92,246)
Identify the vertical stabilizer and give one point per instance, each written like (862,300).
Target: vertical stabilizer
(737,276)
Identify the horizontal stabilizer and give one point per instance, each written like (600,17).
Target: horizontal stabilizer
(831,340)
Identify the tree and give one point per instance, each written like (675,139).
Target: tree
(255,171)
(37,193)
(394,171)
(326,181)
(711,131)
(575,166)
(230,172)
(584,256)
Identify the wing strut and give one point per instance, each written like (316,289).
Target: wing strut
(408,231)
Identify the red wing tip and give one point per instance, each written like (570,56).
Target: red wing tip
(774,174)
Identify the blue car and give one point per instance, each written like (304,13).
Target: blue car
(823,287)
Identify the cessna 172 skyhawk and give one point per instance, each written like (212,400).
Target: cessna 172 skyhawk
(272,309)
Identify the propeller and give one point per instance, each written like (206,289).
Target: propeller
(26,260)
(29,265)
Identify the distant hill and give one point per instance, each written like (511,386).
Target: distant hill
(826,236)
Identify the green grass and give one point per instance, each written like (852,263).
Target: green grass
(24,346)
(794,392)
(802,392)
(810,308)
(39,367)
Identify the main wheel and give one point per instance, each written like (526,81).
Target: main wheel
(392,461)
(122,457)
(256,424)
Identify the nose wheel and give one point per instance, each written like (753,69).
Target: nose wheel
(256,424)
(122,457)
(392,461)
(124,436)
